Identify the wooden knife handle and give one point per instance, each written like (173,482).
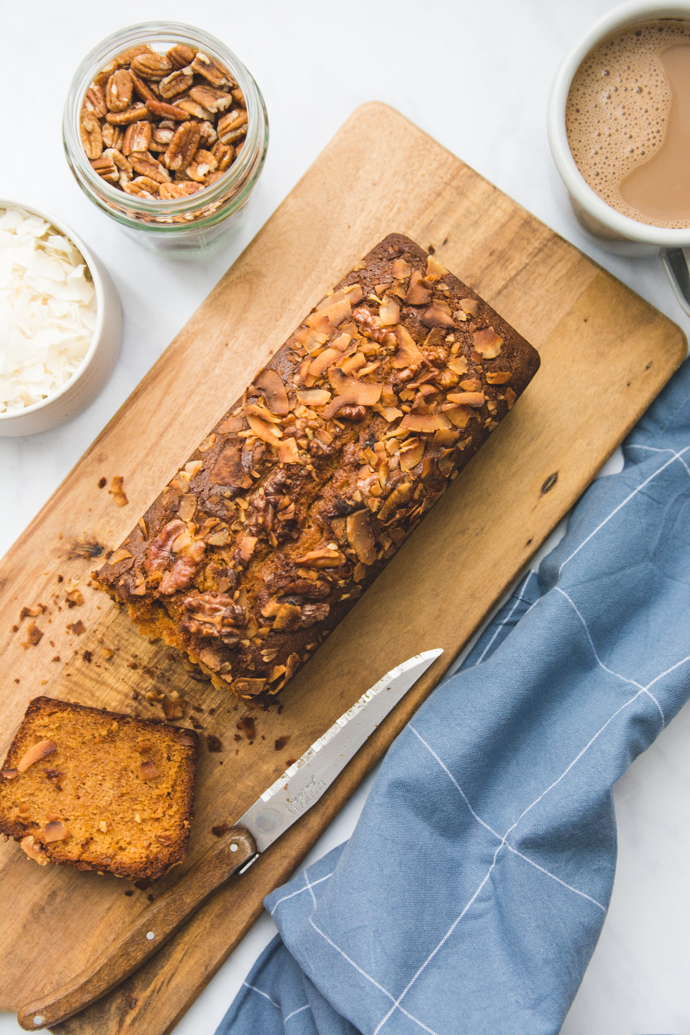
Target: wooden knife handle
(149,933)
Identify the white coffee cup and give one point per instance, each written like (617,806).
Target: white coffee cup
(599,219)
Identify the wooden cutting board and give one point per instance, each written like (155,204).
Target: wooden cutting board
(605,355)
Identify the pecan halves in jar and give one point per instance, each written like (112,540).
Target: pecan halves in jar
(231,124)
(171,191)
(224,154)
(146,165)
(123,118)
(152,66)
(112,136)
(113,167)
(94,102)
(182,147)
(106,168)
(193,108)
(137,137)
(176,83)
(141,88)
(212,70)
(166,111)
(91,136)
(208,135)
(143,186)
(181,55)
(210,98)
(164,106)
(204,163)
(123,166)
(118,92)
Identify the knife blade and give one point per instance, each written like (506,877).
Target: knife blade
(274,812)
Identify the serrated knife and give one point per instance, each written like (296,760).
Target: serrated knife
(271,815)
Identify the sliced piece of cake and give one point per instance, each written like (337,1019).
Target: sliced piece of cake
(98,790)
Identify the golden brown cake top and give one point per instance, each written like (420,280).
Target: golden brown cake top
(295,500)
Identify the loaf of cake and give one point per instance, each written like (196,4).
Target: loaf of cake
(99,791)
(294,502)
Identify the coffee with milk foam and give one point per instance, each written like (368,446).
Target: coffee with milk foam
(628,121)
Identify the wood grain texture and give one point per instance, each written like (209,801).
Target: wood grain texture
(150,931)
(605,355)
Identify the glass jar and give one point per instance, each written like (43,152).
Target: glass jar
(197,220)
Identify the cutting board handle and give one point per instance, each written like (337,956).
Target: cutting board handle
(149,933)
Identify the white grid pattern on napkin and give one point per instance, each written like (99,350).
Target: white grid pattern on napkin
(642,690)
(300,1009)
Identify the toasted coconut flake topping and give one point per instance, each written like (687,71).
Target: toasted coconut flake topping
(418,293)
(351,390)
(324,361)
(259,410)
(55,831)
(230,426)
(119,555)
(401,269)
(487,343)
(313,396)
(288,452)
(437,317)
(148,771)
(246,545)
(361,537)
(389,313)
(186,509)
(36,752)
(264,431)
(459,416)
(474,399)
(271,383)
(458,365)
(424,421)
(411,453)
(434,268)
(288,617)
(409,354)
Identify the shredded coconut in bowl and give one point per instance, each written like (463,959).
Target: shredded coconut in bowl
(47,309)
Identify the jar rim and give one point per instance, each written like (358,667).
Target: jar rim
(159,210)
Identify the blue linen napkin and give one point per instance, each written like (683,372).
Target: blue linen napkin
(471,895)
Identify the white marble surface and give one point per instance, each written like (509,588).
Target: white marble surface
(476,77)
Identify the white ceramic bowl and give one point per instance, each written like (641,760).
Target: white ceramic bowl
(98,363)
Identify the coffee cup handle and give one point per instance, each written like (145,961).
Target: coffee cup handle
(676,266)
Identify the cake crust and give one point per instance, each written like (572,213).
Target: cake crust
(299,496)
(98,790)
